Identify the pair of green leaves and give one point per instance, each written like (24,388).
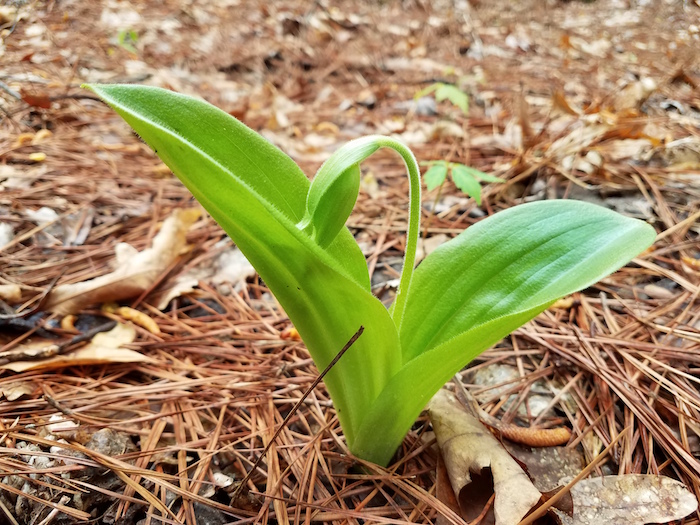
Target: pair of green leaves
(465,178)
(463,298)
(450,92)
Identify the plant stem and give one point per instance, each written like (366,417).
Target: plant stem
(413,229)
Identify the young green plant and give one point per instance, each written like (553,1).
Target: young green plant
(466,178)
(127,38)
(463,298)
(450,92)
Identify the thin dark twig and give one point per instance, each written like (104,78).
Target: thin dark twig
(298,404)
(39,305)
(54,350)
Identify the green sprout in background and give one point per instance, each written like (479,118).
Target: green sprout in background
(465,178)
(464,297)
(127,39)
(443,92)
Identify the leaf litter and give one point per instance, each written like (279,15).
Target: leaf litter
(468,449)
(135,272)
(631,498)
(559,106)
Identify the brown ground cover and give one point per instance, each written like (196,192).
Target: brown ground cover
(594,101)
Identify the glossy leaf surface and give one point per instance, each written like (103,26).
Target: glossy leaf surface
(258,195)
(517,259)
(476,289)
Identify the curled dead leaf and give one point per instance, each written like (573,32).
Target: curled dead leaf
(16,389)
(38,101)
(535,437)
(23,139)
(68,324)
(469,448)
(41,135)
(559,102)
(564,303)
(290,334)
(633,95)
(429,245)
(230,266)
(136,271)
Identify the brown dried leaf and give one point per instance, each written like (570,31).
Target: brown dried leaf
(632,499)
(559,102)
(135,273)
(429,245)
(444,492)
(38,101)
(10,292)
(468,447)
(618,150)
(231,266)
(580,138)
(635,94)
(547,466)
(135,316)
(15,390)
(105,347)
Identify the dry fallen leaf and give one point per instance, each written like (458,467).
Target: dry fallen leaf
(468,447)
(632,499)
(547,466)
(10,292)
(633,95)
(579,138)
(230,266)
(15,390)
(618,150)
(444,492)
(105,347)
(135,273)
(429,245)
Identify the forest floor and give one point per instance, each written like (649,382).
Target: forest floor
(158,421)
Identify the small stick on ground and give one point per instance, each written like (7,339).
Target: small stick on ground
(298,404)
(52,350)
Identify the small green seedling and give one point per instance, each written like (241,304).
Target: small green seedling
(127,39)
(449,92)
(464,297)
(465,178)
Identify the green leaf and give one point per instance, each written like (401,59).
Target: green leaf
(126,39)
(335,188)
(480,175)
(426,90)
(409,391)
(466,182)
(435,176)
(522,257)
(258,195)
(455,95)
(479,287)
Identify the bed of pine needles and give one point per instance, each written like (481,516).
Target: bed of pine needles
(167,441)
